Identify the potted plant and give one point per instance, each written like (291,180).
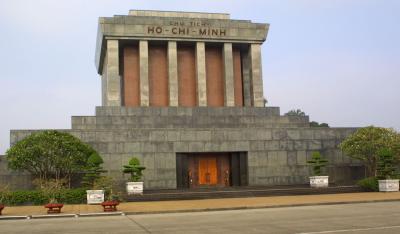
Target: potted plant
(135,186)
(111,203)
(92,173)
(52,189)
(4,193)
(112,200)
(386,171)
(317,163)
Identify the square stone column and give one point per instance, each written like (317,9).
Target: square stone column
(201,74)
(144,73)
(256,75)
(228,75)
(246,71)
(111,80)
(172,73)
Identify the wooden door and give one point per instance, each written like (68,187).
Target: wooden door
(208,170)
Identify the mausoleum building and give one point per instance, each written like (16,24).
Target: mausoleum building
(183,92)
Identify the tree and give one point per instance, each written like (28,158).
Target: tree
(93,170)
(366,143)
(294,112)
(134,169)
(324,125)
(316,124)
(49,155)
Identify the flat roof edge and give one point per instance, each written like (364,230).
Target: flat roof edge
(179,14)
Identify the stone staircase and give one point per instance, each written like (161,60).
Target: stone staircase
(237,192)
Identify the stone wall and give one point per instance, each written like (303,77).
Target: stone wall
(278,146)
(16,180)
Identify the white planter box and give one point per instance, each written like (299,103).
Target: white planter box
(319,181)
(388,185)
(94,196)
(134,188)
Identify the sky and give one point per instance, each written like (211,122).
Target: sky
(336,60)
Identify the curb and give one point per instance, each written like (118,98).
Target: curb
(53,216)
(186,210)
(61,216)
(14,217)
(101,214)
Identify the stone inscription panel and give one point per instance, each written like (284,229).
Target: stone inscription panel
(166,28)
(191,28)
(182,28)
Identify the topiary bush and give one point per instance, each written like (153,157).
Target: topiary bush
(369,184)
(134,169)
(317,163)
(93,170)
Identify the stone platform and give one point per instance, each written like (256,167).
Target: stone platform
(277,146)
(238,192)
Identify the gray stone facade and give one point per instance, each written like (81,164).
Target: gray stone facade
(277,146)
(15,180)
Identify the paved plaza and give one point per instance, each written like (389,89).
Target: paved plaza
(382,217)
(214,204)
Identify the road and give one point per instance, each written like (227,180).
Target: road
(383,217)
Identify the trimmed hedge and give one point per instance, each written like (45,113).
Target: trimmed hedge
(37,197)
(369,184)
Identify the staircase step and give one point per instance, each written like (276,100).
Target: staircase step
(212,193)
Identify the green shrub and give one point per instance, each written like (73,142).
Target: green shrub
(369,184)
(386,165)
(38,197)
(34,197)
(72,196)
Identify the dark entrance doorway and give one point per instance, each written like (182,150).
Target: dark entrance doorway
(199,170)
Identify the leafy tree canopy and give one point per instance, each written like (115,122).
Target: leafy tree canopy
(366,143)
(316,124)
(294,112)
(49,155)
